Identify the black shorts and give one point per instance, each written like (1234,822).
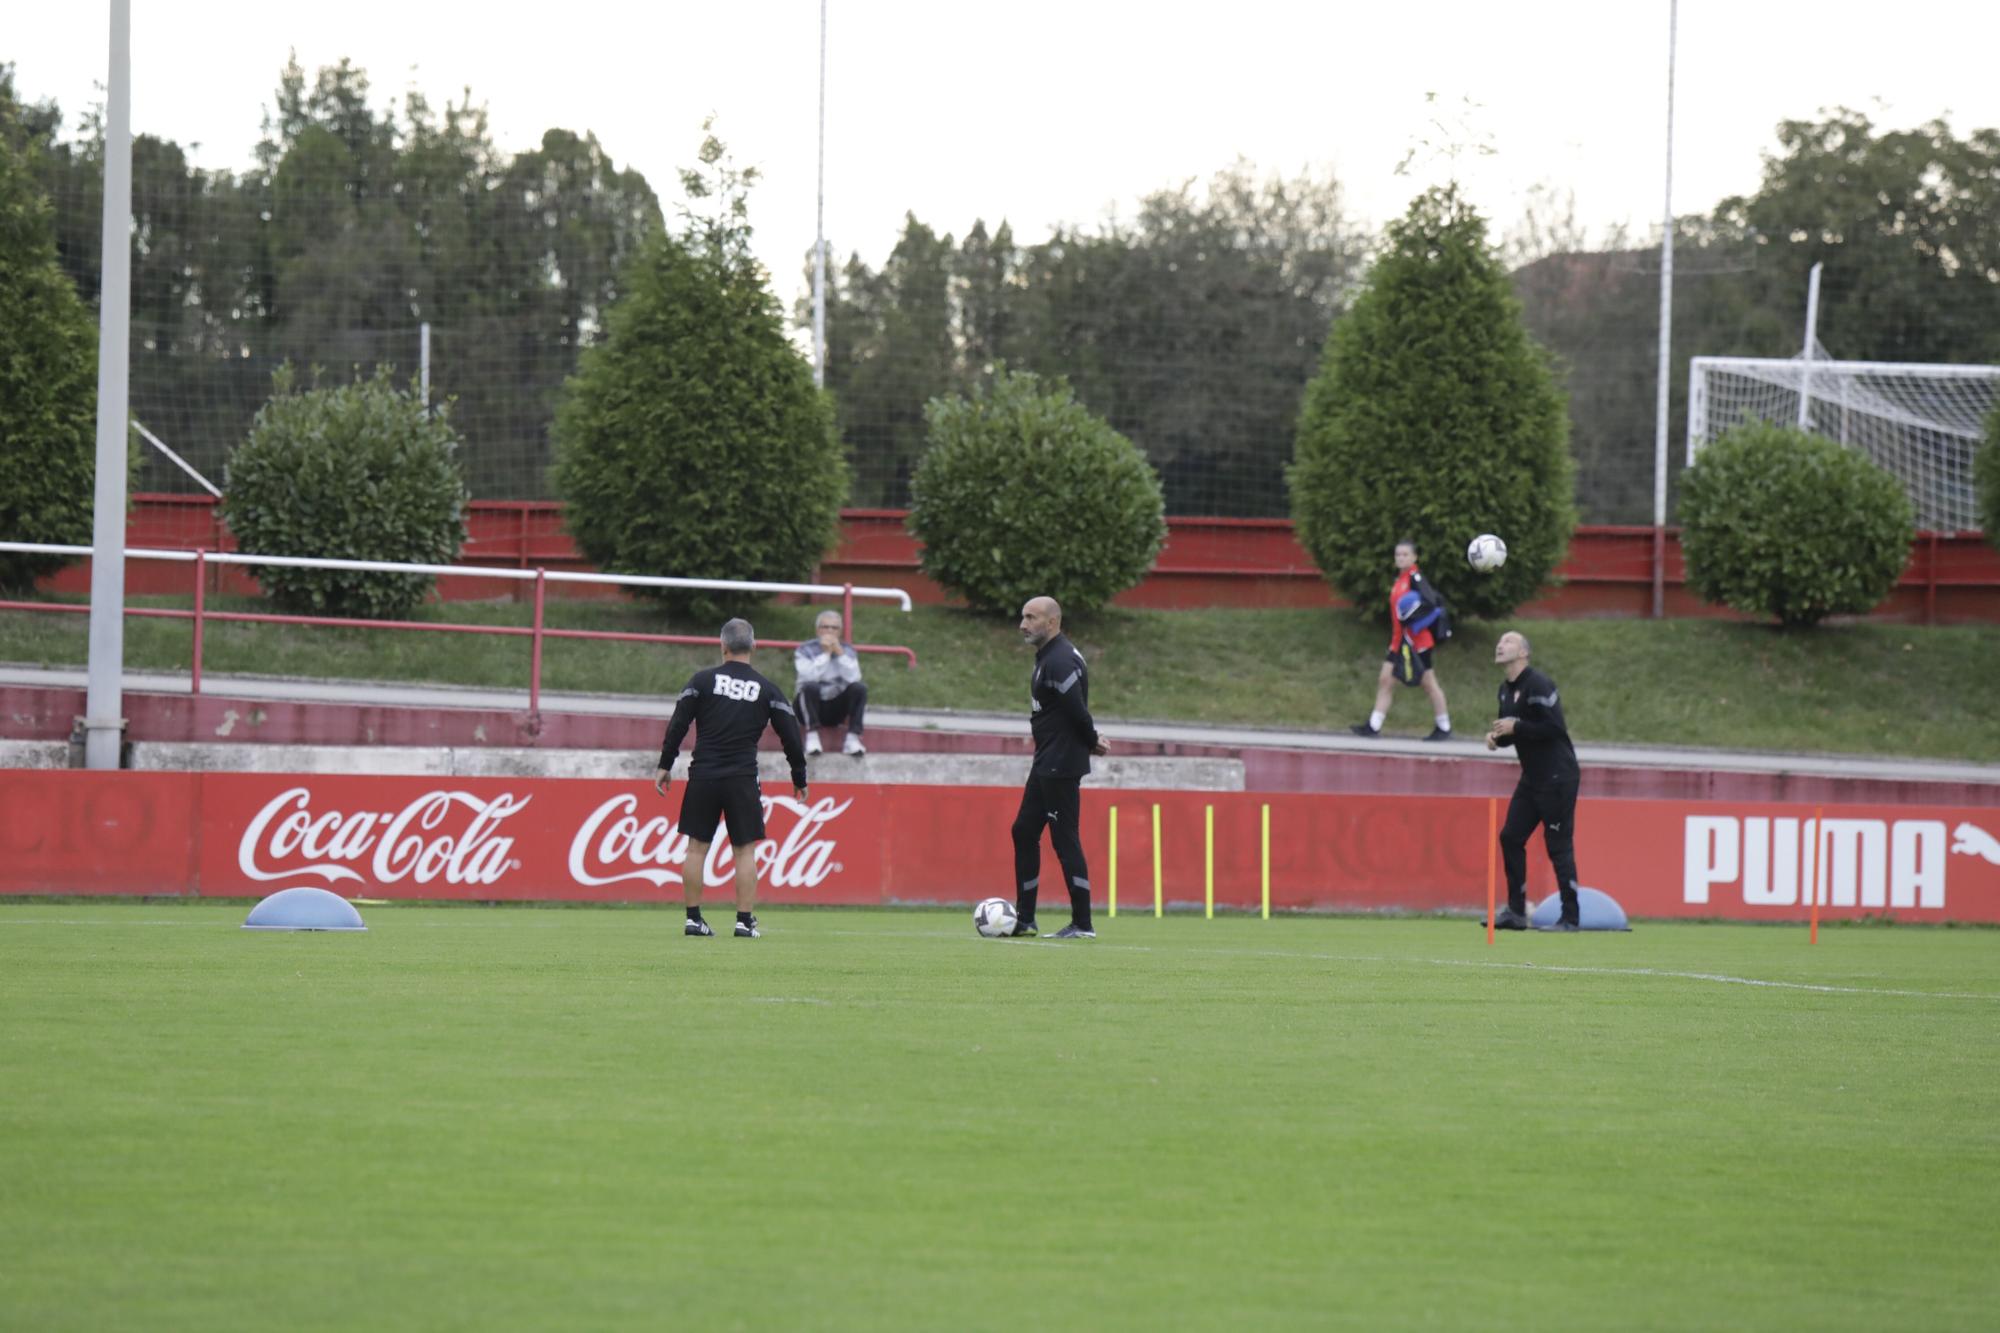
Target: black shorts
(709,801)
(1410,664)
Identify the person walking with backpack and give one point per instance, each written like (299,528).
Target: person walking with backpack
(1417,622)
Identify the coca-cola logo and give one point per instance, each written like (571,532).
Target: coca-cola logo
(614,845)
(421,842)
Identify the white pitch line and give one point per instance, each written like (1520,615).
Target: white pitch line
(59,921)
(1719,978)
(1664,973)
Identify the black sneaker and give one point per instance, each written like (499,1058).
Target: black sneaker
(1509,919)
(1024,929)
(747,930)
(1363,729)
(1074,932)
(1562,924)
(696,926)
(1438,734)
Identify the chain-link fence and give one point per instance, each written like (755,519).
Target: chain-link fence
(1194,326)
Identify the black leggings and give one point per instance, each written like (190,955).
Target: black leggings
(1052,803)
(848,706)
(1554,808)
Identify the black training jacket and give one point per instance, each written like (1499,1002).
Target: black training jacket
(729,706)
(1541,737)
(1059,710)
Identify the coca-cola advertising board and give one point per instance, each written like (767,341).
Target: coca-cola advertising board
(528,839)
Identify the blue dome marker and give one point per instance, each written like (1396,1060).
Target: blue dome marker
(304,909)
(1595,910)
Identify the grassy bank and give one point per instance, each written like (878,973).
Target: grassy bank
(1861,689)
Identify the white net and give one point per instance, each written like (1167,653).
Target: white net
(1923,423)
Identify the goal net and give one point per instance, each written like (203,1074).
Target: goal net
(1923,423)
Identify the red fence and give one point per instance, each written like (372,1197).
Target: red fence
(1206,562)
(495,839)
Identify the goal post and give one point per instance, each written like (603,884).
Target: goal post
(1923,423)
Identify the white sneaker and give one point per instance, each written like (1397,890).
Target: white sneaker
(812,742)
(852,745)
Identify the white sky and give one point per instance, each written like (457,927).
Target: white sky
(1047,111)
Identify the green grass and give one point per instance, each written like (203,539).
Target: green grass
(1861,689)
(520,1118)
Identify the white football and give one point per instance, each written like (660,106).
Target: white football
(994,918)
(1486,553)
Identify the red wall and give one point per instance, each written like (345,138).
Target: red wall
(491,839)
(1206,562)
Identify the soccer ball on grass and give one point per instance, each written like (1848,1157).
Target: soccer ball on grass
(994,918)
(1486,553)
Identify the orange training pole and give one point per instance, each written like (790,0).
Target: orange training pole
(1818,837)
(1492,848)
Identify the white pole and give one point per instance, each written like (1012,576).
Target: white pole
(424,361)
(1812,337)
(104,706)
(1665,368)
(819,224)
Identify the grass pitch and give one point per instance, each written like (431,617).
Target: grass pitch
(577,1118)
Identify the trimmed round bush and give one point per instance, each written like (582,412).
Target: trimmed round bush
(692,442)
(1023,493)
(1779,522)
(359,472)
(48,386)
(1434,417)
(1986,475)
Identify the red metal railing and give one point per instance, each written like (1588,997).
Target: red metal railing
(537,632)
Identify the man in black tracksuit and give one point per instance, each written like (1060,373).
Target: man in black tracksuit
(1065,739)
(729,706)
(1531,720)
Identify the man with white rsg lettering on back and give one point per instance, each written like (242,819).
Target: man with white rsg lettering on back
(729,706)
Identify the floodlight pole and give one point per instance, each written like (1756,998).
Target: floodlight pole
(819,223)
(104,706)
(1666,341)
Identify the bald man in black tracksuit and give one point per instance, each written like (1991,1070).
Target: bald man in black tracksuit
(1531,720)
(1065,739)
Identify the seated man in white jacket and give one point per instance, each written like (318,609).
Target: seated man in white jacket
(830,686)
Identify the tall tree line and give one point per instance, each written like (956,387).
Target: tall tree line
(1195,326)
(1192,327)
(1192,324)
(355,225)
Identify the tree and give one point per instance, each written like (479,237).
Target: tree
(1025,492)
(1434,417)
(691,442)
(48,373)
(1986,471)
(1905,223)
(1779,522)
(362,471)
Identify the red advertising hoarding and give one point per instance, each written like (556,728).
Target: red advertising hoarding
(527,839)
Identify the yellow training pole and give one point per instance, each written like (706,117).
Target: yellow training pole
(1267,863)
(1157,906)
(1208,865)
(1114,860)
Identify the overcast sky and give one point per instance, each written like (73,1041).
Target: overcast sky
(1045,112)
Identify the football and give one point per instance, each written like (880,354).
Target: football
(1486,553)
(994,918)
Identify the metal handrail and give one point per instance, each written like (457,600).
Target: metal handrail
(480,571)
(536,633)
